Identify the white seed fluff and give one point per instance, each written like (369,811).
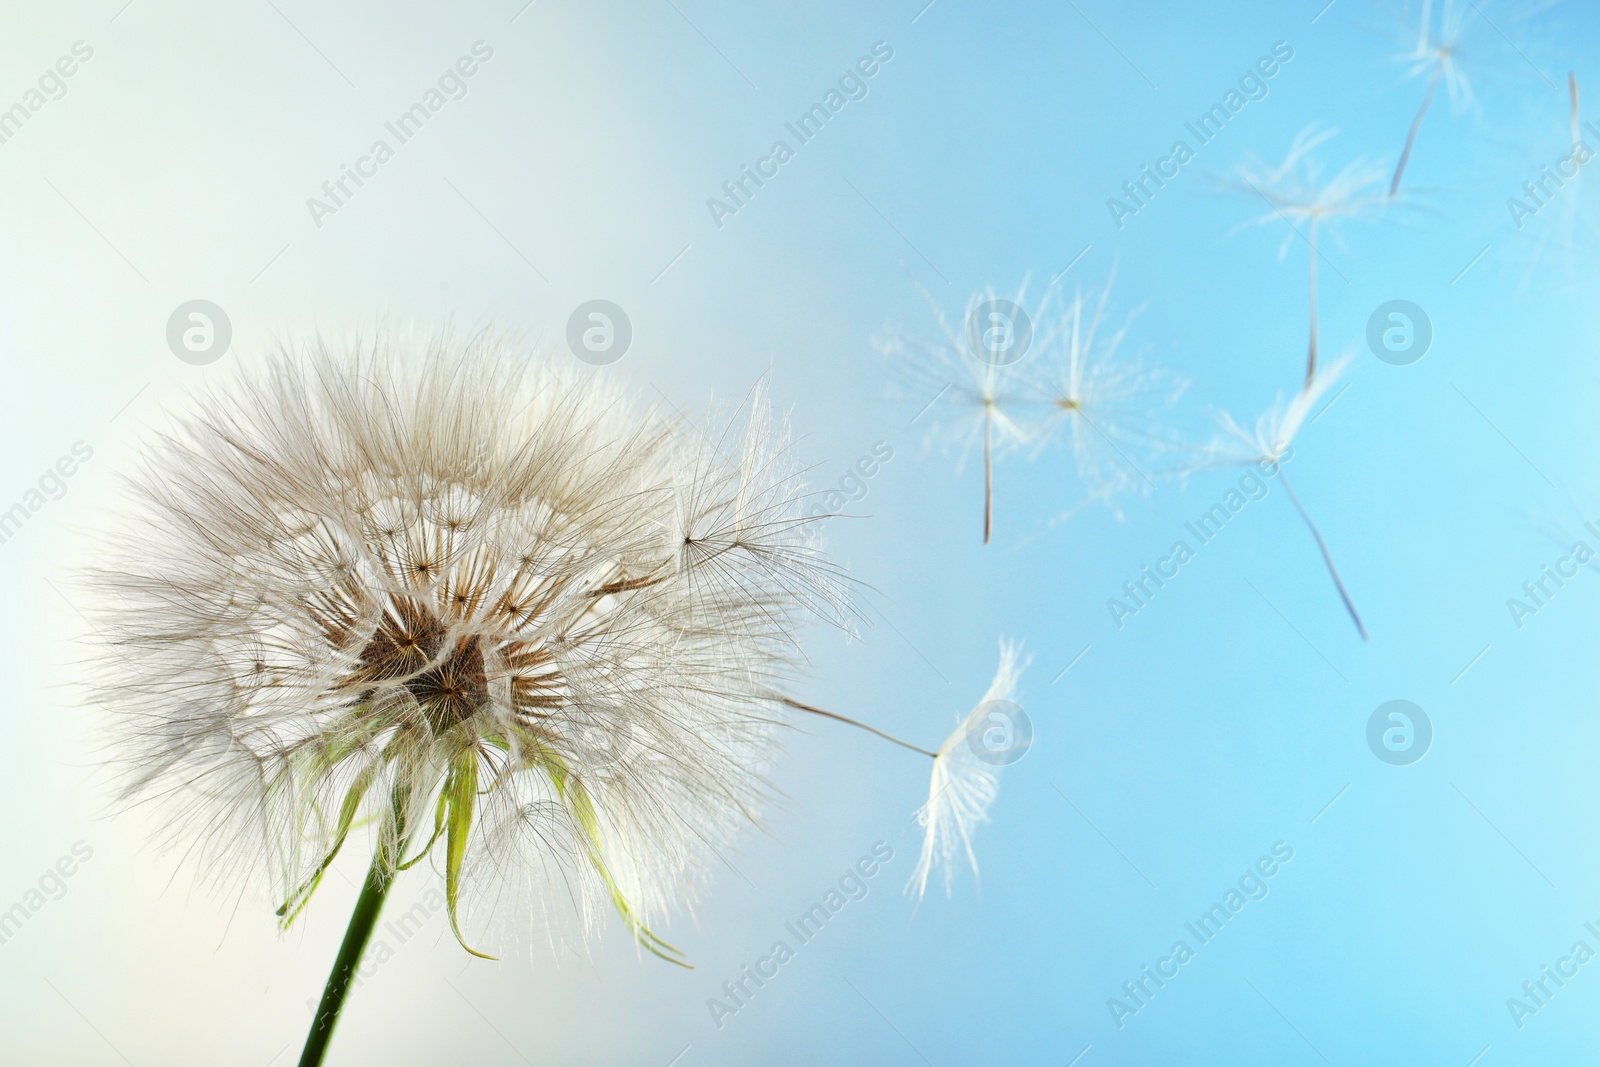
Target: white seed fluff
(963,787)
(488,600)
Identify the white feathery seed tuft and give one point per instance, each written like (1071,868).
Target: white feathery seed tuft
(1276,428)
(1104,403)
(963,785)
(978,403)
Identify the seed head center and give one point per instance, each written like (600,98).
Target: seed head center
(409,639)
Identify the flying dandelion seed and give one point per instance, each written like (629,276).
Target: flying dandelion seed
(965,781)
(1296,192)
(984,398)
(1439,57)
(1103,404)
(965,777)
(1442,53)
(1268,442)
(529,630)
(1551,210)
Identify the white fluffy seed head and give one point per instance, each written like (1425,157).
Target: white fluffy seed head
(489,601)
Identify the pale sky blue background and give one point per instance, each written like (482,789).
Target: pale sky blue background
(1171,756)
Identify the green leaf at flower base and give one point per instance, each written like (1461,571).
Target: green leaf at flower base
(438,830)
(461,789)
(576,797)
(291,908)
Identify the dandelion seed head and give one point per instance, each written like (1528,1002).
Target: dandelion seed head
(1099,400)
(1440,49)
(490,595)
(1298,190)
(1076,385)
(964,389)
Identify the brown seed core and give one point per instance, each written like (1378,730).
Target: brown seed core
(408,639)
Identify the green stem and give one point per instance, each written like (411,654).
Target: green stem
(356,936)
(386,857)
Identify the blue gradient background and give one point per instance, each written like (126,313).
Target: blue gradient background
(1176,751)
